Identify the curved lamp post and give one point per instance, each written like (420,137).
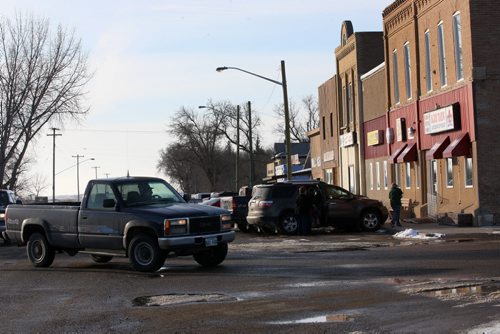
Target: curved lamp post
(285,106)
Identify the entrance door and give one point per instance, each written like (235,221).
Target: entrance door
(432,209)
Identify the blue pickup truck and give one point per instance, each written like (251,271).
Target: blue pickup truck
(142,218)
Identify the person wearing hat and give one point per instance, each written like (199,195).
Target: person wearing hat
(395,195)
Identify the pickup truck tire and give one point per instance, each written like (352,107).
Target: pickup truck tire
(144,253)
(101,258)
(212,257)
(40,253)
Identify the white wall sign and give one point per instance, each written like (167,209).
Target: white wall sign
(328,156)
(347,139)
(439,120)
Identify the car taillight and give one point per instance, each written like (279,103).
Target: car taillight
(265,204)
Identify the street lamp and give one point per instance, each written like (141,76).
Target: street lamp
(78,171)
(285,106)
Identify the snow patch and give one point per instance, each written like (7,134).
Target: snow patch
(413,234)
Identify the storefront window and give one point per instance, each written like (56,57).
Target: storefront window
(329,176)
(468,173)
(397,176)
(371,176)
(386,178)
(433,176)
(449,173)
(417,176)
(408,175)
(377,170)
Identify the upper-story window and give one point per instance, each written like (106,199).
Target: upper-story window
(395,75)
(324,127)
(350,104)
(457,39)
(344,106)
(428,70)
(331,124)
(442,55)
(407,69)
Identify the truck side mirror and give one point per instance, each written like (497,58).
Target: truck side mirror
(108,203)
(187,197)
(18,201)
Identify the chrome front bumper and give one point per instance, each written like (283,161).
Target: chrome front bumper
(194,241)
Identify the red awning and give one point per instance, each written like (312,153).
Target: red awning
(394,156)
(436,152)
(458,147)
(409,154)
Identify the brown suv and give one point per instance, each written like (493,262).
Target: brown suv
(272,207)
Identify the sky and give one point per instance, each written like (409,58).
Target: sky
(150,58)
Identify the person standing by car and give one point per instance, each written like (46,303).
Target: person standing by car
(395,195)
(304,206)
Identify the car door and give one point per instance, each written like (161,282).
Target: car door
(99,225)
(338,202)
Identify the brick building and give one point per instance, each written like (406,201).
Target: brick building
(358,53)
(442,102)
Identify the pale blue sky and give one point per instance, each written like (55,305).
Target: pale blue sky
(152,57)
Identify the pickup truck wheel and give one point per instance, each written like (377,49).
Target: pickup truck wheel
(40,253)
(212,257)
(101,258)
(370,220)
(290,224)
(144,254)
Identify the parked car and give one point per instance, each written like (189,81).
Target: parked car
(237,205)
(6,197)
(272,207)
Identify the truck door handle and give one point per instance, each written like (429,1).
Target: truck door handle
(84,217)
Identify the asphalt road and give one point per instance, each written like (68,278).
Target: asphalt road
(325,283)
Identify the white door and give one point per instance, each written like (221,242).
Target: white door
(432,209)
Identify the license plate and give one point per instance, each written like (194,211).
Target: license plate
(210,242)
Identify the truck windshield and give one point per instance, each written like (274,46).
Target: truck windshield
(146,192)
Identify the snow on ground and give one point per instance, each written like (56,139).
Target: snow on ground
(413,234)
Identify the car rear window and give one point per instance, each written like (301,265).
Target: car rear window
(283,192)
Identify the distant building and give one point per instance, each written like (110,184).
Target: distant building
(301,163)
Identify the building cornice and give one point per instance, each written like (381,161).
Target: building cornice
(402,14)
(343,51)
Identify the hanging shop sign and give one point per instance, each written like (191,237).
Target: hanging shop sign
(375,137)
(441,120)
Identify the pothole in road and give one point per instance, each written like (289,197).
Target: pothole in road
(316,320)
(178,299)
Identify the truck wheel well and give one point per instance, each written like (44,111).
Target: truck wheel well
(139,230)
(30,229)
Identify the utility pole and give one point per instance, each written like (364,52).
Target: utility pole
(237,145)
(78,173)
(252,167)
(95,168)
(54,135)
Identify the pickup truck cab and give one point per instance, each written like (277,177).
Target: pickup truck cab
(142,218)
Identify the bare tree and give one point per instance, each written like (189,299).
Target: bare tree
(201,134)
(302,120)
(42,78)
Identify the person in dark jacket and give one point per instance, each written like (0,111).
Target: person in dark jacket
(395,195)
(304,205)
